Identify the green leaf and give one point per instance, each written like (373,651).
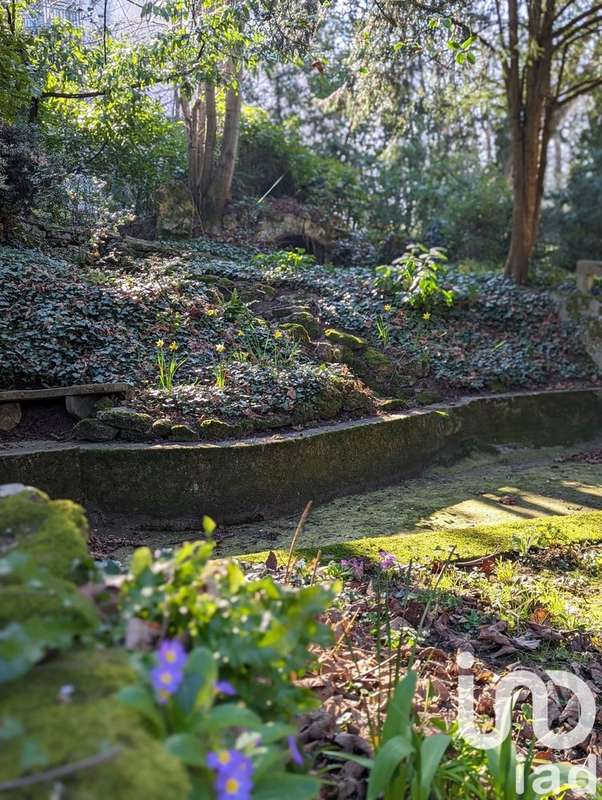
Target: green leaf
(400,707)
(139,698)
(431,752)
(142,559)
(231,715)
(18,652)
(386,762)
(32,755)
(209,525)
(361,760)
(279,785)
(187,748)
(197,691)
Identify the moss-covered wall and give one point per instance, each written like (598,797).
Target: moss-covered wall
(262,478)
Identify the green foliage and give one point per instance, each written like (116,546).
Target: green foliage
(273,156)
(414,279)
(410,764)
(254,627)
(573,223)
(25,171)
(193,723)
(126,140)
(539,534)
(283,262)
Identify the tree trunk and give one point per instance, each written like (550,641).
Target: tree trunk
(219,191)
(530,110)
(210,181)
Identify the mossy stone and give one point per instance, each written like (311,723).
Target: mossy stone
(53,532)
(346,340)
(329,403)
(135,436)
(284,312)
(427,397)
(126,419)
(377,360)
(374,368)
(298,332)
(91,430)
(162,427)
(216,429)
(357,400)
(394,404)
(92,721)
(272,421)
(307,320)
(42,606)
(183,433)
(303,413)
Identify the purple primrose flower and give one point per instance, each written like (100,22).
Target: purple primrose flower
(234,774)
(226,688)
(387,560)
(171,654)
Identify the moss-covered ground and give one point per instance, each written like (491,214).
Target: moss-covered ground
(445,504)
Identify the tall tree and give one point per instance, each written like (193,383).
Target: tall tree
(541,55)
(551,55)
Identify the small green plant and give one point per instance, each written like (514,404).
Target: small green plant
(219,372)
(415,278)
(234,307)
(383,331)
(228,748)
(506,571)
(168,365)
(411,765)
(285,261)
(540,535)
(260,630)
(262,345)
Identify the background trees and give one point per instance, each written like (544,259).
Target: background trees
(432,121)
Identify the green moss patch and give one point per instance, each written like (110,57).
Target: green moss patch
(54,533)
(91,722)
(468,542)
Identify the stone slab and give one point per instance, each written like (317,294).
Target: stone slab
(63,391)
(586,272)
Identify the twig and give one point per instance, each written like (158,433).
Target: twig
(60,772)
(476,561)
(316,565)
(296,535)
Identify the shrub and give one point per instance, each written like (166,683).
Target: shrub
(573,224)
(259,631)
(131,146)
(272,156)
(451,200)
(284,261)
(25,170)
(415,278)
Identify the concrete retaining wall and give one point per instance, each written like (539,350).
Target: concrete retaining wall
(267,477)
